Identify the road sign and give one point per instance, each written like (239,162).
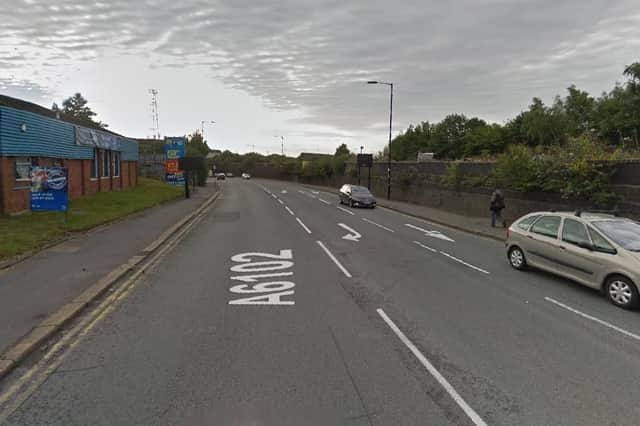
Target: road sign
(365,160)
(174,149)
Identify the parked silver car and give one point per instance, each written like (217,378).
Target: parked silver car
(598,250)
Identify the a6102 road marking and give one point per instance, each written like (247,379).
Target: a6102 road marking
(264,291)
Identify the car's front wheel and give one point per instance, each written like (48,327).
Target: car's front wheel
(622,292)
(516,258)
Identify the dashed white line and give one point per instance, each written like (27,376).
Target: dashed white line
(470,412)
(289,210)
(426,247)
(594,319)
(336,261)
(377,224)
(463,262)
(345,210)
(280,201)
(303,226)
(324,201)
(274,196)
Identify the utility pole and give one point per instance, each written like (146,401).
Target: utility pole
(390,127)
(281,143)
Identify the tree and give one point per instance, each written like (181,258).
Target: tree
(633,71)
(76,108)
(579,109)
(342,150)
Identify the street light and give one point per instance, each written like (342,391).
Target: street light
(390,126)
(202,129)
(281,142)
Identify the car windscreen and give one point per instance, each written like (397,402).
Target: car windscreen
(360,190)
(625,233)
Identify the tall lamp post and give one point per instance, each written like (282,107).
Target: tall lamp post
(390,84)
(281,143)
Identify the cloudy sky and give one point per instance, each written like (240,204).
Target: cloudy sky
(298,68)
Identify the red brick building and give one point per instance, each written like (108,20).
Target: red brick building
(30,135)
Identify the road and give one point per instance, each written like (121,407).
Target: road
(283,308)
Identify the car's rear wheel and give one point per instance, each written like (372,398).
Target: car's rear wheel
(516,258)
(622,292)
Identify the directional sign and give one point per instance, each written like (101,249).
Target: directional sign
(434,234)
(353,235)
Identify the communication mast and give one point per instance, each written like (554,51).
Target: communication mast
(154,113)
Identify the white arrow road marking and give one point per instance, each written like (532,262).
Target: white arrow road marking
(434,234)
(353,235)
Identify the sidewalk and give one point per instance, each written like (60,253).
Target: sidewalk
(38,286)
(473,224)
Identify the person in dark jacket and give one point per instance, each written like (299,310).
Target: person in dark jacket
(496,207)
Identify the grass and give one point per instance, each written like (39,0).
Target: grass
(20,234)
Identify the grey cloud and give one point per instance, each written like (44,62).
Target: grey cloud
(485,58)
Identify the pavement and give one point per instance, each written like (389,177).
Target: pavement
(33,289)
(281,307)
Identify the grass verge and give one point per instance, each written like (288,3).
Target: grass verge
(20,234)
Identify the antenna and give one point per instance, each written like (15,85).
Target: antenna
(154,113)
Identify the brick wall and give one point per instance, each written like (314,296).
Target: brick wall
(15,197)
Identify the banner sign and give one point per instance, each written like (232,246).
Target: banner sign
(365,160)
(174,149)
(49,189)
(97,139)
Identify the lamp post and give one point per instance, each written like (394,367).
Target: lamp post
(390,126)
(281,143)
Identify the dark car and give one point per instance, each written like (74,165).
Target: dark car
(356,196)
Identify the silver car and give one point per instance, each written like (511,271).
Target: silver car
(598,250)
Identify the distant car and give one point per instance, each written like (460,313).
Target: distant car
(220,176)
(598,250)
(229,174)
(356,196)
(246,176)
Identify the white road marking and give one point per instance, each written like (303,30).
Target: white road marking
(434,234)
(345,210)
(315,192)
(470,412)
(303,225)
(594,319)
(426,247)
(284,191)
(280,201)
(324,201)
(464,263)
(378,225)
(332,257)
(289,210)
(353,235)
(274,196)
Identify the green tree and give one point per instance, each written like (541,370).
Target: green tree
(579,108)
(342,150)
(76,108)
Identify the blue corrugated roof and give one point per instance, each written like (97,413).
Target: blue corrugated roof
(46,137)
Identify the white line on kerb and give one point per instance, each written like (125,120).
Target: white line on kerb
(426,247)
(345,210)
(464,263)
(338,264)
(289,210)
(303,225)
(324,201)
(594,319)
(470,412)
(378,225)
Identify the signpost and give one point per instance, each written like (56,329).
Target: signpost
(174,150)
(50,189)
(365,160)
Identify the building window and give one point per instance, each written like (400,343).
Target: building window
(94,163)
(23,167)
(116,163)
(106,163)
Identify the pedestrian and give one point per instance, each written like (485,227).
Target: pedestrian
(496,207)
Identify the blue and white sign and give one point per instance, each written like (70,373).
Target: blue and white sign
(49,189)
(174,149)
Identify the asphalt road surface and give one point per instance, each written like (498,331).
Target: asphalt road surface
(283,308)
